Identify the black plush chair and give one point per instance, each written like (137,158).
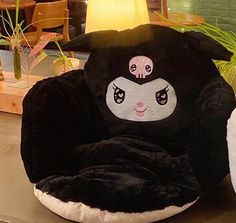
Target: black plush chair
(138,135)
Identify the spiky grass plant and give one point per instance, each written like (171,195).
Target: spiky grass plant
(62,62)
(12,38)
(15,38)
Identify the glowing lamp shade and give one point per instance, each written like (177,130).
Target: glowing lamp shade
(115,14)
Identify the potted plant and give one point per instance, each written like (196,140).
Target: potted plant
(63,63)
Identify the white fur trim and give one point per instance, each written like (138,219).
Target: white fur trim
(231,139)
(83,213)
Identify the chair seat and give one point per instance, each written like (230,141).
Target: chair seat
(31,37)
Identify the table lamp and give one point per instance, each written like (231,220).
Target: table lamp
(115,14)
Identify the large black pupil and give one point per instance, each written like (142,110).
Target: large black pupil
(162,97)
(119,95)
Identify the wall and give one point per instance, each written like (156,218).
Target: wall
(224,11)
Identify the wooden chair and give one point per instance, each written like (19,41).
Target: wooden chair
(49,15)
(164,8)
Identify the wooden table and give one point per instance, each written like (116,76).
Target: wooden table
(176,19)
(11,95)
(27,5)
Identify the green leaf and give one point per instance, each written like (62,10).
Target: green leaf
(4,42)
(17,10)
(9,19)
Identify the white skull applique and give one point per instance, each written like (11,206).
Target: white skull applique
(151,101)
(140,66)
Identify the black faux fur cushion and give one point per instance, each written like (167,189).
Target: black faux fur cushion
(127,175)
(142,129)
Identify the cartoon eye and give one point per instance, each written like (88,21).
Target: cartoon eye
(148,68)
(133,67)
(162,96)
(119,94)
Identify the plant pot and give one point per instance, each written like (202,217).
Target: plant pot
(62,66)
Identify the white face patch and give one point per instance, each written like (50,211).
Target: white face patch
(152,101)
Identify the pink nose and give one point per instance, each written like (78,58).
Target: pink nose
(140,104)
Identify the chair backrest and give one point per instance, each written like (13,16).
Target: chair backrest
(164,8)
(52,14)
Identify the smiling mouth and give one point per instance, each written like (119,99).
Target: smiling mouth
(140,110)
(140,113)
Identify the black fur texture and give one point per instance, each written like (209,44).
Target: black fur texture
(75,149)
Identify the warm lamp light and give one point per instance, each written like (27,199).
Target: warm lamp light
(115,14)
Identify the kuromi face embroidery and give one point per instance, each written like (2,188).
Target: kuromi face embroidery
(140,66)
(151,101)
